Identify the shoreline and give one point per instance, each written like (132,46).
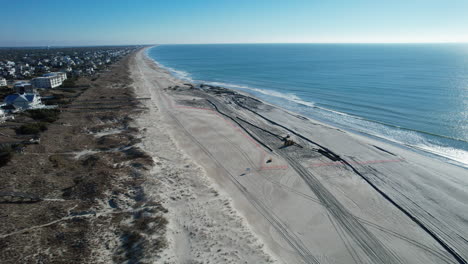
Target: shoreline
(431,151)
(366,157)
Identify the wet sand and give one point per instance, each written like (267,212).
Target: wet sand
(332,197)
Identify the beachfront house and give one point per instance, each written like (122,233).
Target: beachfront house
(62,76)
(46,82)
(49,80)
(23,101)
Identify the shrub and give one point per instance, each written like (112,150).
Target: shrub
(69,83)
(56,102)
(4,91)
(71,91)
(6,153)
(33,128)
(132,244)
(45,115)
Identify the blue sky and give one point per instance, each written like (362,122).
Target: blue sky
(101,22)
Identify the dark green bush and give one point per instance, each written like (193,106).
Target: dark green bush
(56,102)
(32,128)
(45,115)
(70,91)
(69,83)
(6,153)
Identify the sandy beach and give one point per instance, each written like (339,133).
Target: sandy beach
(234,132)
(142,167)
(236,194)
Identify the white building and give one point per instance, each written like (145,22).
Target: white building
(11,71)
(49,80)
(3,82)
(46,82)
(61,75)
(23,101)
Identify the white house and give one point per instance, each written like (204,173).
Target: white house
(61,75)
(3,116)
(11,71)
(49,80)
(3,82)
(23,101)
(46,82)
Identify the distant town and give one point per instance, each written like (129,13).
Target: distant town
(24,72)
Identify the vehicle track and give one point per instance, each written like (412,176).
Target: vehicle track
(243,128)
(449,248)
(280,227)
(342,217)
(339,230)
(370,245)
(289,237)
(435,253)
(429,250)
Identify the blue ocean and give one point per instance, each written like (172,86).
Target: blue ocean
(415,95)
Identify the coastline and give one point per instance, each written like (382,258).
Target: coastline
(435,145)
(419,184)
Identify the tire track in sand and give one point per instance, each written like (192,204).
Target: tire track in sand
(374,250)
(368,242)
(280,227)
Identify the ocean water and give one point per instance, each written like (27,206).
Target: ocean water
(415,95)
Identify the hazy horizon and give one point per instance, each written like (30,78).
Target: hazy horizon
(91,23)
(238,43)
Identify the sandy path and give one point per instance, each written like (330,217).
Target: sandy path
(304,207)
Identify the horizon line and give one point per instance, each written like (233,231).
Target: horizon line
(228,43)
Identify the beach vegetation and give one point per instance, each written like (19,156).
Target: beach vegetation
(58,99)
(6,153)
(4,91)
(44,115)
(69,83)
(31,128)
(70,91)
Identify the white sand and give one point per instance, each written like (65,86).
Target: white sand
(326,214)
(203,226)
